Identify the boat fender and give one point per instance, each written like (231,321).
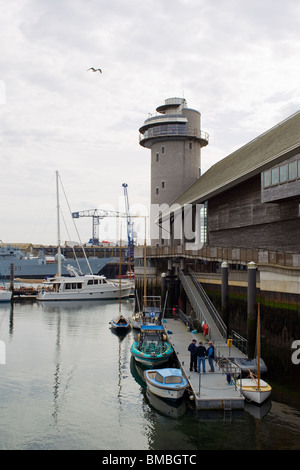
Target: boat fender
(139,337)
(164,337)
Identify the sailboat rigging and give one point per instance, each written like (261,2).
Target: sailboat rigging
(120,324)
(253,387)
(77,286)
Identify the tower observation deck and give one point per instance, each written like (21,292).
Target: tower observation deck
(175,138)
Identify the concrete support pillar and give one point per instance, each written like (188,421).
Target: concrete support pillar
(170,266)
(224,293)
(251,309)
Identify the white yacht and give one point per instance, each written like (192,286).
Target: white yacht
(79,286)
(82,287)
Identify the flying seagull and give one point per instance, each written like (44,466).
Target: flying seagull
(94,70)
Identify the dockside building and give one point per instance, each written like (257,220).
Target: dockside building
(250,201)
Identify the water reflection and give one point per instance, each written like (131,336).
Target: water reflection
(258,411)
(57,372)
(75,305)
(70,383)
(7,308)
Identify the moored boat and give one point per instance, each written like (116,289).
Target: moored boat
(254,390)
(120,324)
(250,364)
(167,383)
(81,287)
(253,387)
(150,314)
(78,286)
(152,347)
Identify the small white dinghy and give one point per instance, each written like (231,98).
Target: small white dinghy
(166,383)
(254,389)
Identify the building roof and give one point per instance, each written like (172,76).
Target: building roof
(270,148)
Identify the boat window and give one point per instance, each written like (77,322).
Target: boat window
(90,281)
(95,281)
(74,285)
(104,281)
(173,380)
(79,285)
(159,378)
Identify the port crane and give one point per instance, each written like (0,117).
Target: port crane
(129,223)
(97,215)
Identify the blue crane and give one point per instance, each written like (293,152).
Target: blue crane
(97,215)
(129,223)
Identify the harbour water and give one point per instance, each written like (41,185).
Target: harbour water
(68,382)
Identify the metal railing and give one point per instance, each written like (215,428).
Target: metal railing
(172,130)
(239,342)
(194,302)
(210,312)
(230,254)
(232,370)
(209,305)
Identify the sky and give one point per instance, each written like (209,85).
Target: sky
(236,62)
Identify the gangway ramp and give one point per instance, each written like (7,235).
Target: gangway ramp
(203,307)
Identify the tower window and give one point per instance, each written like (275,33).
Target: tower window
(163,150)
(156,191)
(190,145)
(162,184)
(157,156)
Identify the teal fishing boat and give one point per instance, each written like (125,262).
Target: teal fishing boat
(152,348)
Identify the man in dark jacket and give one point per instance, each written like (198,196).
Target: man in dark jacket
(193,350)
(201,353)
(211,355)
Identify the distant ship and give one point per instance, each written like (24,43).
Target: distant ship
(41,266)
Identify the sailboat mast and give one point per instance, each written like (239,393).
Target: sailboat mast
(258,346)
(58,229)
(145,260)
(120,265)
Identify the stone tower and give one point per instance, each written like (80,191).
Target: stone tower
(175,139)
